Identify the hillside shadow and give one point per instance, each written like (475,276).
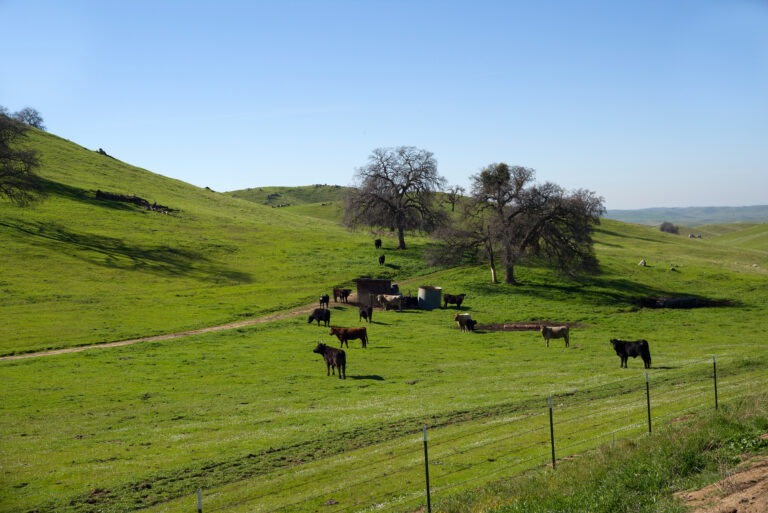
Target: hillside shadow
(116,253)
(69,192)
(625,236)
(593,290)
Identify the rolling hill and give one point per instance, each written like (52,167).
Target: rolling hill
(302,195)
(692,216)
(80,270)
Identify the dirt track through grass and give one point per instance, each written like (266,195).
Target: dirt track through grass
(233,325)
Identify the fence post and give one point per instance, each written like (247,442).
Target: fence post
(199,501)
(648,401)
(714,370)
(551,432)
(426,469)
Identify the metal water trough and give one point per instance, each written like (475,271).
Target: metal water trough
(430,297)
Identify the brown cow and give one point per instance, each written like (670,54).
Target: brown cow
(334,359)
(341,294)
(549,332)
(347,334)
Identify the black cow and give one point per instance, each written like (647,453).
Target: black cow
(320,314)
(381,260)
(377,243)
(366,312)
(634,348)
(334,359)
(341,294)
(453,299)
(325,300)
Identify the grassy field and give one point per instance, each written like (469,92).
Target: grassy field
(78,270)
(248,415)
(750,237)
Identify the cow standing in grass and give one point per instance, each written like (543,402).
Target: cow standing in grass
(377,243)
(382,258)
(320,314)
(634,348)
(365,312)
(347,334)
(334,359)
(556,332)
(456,299)
(325,301)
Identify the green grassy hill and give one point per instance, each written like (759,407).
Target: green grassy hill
(749,237)
(79,270)
(319,193)
(248,416)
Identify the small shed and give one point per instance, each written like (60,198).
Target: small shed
(430,297)
(369,288)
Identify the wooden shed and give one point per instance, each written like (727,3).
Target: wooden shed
(369,288)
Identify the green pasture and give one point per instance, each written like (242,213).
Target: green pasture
(77,270)
(750,237)
(249,415)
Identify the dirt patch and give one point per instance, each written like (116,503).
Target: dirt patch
(525,326)
(745,491)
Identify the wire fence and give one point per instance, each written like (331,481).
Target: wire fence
(464,455)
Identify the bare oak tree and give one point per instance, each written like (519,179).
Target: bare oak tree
(30,116)
(453,194)
(519,218)
(18,181)
(396,190)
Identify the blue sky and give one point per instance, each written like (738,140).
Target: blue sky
(647,103)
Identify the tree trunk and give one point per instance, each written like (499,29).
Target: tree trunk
(509,265)
(493,265)
(400,238)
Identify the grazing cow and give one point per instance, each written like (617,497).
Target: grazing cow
(325,300)
(453,299)
(464,321)
(381,260)
(387,300)
(320,314)
(366,312)
(377,243)
(347,334)
(341,294)
(556,332)
(334,359)
(634,348)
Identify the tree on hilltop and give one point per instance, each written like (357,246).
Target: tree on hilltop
(30,116)
(396,190)
(18,182)
(453,194)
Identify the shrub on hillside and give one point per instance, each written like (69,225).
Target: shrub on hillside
(668,227)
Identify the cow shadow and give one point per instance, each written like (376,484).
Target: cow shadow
(664,367)
(381,323)
(392,266)
(374,377)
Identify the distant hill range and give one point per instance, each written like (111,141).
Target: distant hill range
(692,216)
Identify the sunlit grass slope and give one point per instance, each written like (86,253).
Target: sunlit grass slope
(249,415)
(77,270)
(750,237)
(319,193)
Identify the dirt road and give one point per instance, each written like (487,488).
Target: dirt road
(233,325)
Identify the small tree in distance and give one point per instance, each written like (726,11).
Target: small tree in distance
(668,227)
(453,194)
(18,181)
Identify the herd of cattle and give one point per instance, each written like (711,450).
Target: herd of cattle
(336,359)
